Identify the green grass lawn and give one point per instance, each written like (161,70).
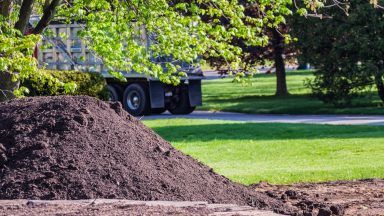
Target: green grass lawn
(279,153)
(223,95)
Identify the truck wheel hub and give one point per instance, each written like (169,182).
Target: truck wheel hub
(133,101)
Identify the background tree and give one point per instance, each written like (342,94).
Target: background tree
(280,48)
(347,50)
(275,47)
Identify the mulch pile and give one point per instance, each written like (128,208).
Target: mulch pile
(82,148)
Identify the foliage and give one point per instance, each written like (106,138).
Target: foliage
(261,54)
(278,153)
(347,49)
(182,30)
(151,36)
(16,51)
(51,83)
(16,58)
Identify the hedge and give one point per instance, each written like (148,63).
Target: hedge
(50,83)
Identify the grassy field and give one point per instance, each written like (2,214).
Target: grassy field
(279,153)
(223,95)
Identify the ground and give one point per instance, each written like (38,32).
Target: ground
(123,207)
(301,164)
(362,197)
(309,166)
(223,95)
(279,153)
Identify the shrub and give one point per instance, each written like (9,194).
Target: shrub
(51,83)
(347,50)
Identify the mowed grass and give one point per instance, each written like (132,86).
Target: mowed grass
(279,153)
(223,95)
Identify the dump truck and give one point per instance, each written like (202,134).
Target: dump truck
(140,94)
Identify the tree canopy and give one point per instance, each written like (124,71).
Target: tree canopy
(181,29)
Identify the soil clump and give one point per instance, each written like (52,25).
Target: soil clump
(358,197)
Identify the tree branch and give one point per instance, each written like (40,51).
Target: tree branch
(24,15)
(46,4)
(49,13)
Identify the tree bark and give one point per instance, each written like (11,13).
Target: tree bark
(24,15)
(380,86)
(278,48)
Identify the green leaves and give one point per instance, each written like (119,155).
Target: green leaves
(118,75)
(16,51)
(132,35)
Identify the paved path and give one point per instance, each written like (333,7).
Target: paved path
(307,119)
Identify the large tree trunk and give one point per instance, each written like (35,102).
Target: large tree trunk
(278,46)
(380,86)
(7,87)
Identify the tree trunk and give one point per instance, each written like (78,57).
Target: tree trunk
(380,86)
(278,48)
(24,15)
(6,8)
(7,87)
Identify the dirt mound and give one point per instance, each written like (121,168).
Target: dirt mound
(83,148)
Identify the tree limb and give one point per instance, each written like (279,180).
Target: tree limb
(49,13)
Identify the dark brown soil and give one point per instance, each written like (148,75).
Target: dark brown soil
(360,197)
(83,148)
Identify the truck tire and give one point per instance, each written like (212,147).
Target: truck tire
(157,111)
(113,95)
(136,100)
(182,106)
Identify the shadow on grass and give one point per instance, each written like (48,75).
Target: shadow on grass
(292,104)
(289,73)
(265,131)
(256,98)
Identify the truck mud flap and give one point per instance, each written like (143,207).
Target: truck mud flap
(156,94)
(194,90)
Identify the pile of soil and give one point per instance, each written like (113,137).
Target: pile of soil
(358,197)
(82,148)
